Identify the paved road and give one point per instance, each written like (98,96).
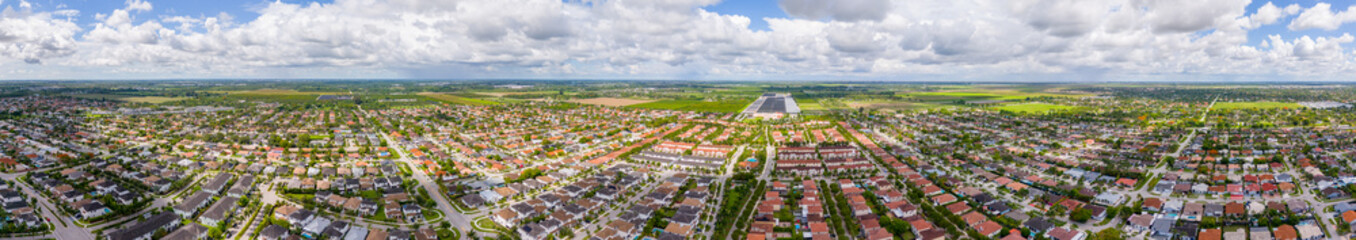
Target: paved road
(457,219)
(156,204)
(450,215)
(63,228)
(730,166)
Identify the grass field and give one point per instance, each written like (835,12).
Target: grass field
(887,105)
(984,94)
(277,92)
(457,99)
(126,98)
(810,106)
(155,100)
(1257,105)
(502,94)
(613,102)
(695,105)
(1033,107)
(276,95)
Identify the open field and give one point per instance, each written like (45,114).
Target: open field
(696,105)
(613,102)
(903,106)
(154,100)
(276,95)
(502,94)
(1033,107)
(99,96)
(811,106)
(889,105)
(275,92)
(984,94)
(1257,105)
(125,98)
(456,99)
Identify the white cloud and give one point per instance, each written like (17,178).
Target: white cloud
(844,10)
(676,38)
(1321,16)
(1269,13)
(1065,18)
(1165,16)
(138,5)
(31,37)
(1321,48)
(67,13)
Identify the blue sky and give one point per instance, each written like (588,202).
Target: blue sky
(1260,34)
(756,10)
(848,39)
(238,8)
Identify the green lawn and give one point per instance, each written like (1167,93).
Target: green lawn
(155,100)
(453,99)
(279,93)
(1256,105)
(1033,107)
(432,214)
(984,94)
(484,224)
(370,194)
(380,214)
(810,106)
(508,93)
(956,95)
(696,105)
(275,95)
(301,196)
(891,105)
(128,98)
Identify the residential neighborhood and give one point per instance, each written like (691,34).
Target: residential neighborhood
(775,164)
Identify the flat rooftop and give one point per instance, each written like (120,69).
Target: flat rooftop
(773,103)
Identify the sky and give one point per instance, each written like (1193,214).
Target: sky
(918,40)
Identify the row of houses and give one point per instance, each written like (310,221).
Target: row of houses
(310,225)
(1235,190)
(1166,226)
(1195,210)
(83,203)
(17,205)
(346,184)
(566,206)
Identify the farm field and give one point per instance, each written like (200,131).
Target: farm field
(695,105)
(1033,107)
(1257,105)
(984,94)
(275,92)
(125,98)
(153,100)
(457,99)
(502,94)
(275,95)
(812,106)
(612,102)
(893,105)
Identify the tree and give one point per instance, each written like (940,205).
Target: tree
(1129,210)
(1080,215)
(1209,222)
(1109,234)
